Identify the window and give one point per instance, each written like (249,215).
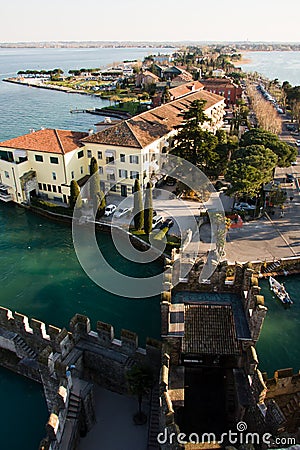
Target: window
(53,188)
(123,173)
(145,157)
(53,176)
(122,157)
(80,154)
(39,158)
(59,189)
(89,153)
(49,187)
(113,188)
(99,155)
(6,174)
(40,186)
(100,170)
(110,160)
(111,177)
(44,187)
(134,174)
(53,159)
(72,175)
(81,170)
(134,159)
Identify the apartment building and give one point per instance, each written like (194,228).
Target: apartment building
(41,163)
(44,162)
(135,148)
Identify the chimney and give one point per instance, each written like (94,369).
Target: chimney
(91,131)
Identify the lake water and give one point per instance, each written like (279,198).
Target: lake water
(39,272)
(282,65)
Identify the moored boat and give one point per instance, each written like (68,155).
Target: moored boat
(280,291)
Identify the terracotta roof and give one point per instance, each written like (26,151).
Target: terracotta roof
(185,89)
(147,127)
(48,141)
(209,329)
(217,82)
(147,73)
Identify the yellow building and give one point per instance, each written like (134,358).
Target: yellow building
(41,163)
(135,148)
(44,162)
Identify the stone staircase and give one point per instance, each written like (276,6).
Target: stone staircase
(271,267)
(23,350)
(74,406)
(154,419)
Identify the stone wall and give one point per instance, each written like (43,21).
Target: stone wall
(67,363)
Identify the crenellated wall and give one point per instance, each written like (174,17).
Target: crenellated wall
(67,363)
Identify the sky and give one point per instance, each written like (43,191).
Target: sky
(154,20)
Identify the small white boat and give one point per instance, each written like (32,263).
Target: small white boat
(280,291)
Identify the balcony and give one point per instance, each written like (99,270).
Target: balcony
(4,195)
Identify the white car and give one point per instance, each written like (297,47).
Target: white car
(110,209)
(298,143)
(243,206)
(122,212)
(157,220)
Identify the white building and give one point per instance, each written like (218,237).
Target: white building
(44,162)
(41,163)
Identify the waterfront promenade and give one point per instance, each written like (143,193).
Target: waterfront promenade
(271,237)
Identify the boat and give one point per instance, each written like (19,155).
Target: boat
(280,291)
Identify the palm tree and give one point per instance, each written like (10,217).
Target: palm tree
(140,382)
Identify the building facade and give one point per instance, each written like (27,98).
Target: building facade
(41,163)
(135,148)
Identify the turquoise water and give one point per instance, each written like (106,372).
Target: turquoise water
(282,65)
(40,276)
(278,346)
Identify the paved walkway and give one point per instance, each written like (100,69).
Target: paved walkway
(115,429)
(266,239)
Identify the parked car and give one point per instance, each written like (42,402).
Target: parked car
(156,221)
(167,223)
(298,142)
(294,163)
(110,209)
(122,212)
(243,206)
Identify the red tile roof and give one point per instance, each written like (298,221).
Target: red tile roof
(185,89)
(48,141)
(141,130)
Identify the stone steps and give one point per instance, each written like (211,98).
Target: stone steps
(154,420)
(74,406)
(25,349)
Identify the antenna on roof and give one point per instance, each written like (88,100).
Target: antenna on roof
(31,130)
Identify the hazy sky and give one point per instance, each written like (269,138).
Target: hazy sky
(154,20)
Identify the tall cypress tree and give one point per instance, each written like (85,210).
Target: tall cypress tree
(94,183)
(75,195)
(138,213)
(148,210)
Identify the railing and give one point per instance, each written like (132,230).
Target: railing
(5,197)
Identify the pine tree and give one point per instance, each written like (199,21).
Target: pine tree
(148,210)
(94,183)
(138,213)
(102,204)
(75,195)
